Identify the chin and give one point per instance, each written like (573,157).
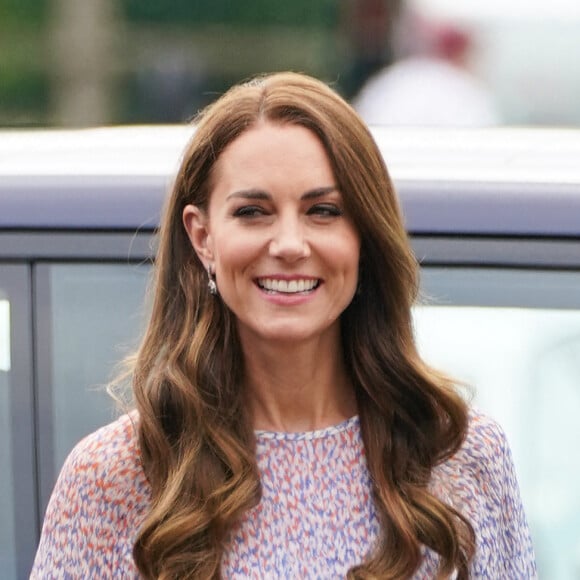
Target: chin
(286,332)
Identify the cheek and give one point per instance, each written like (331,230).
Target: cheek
(350,245)
(352,272)
(232,253)
(342,259)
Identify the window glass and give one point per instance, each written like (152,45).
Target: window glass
(97,314)
(521,365)
(514,337)
(7,540)
(18,515)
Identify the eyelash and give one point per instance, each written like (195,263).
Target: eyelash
(325,210)
(249,211)
(320,209)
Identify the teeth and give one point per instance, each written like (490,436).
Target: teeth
(287,286)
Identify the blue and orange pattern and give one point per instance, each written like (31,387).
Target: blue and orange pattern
(316,518)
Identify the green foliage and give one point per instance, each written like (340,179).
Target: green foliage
(24,98)
(26,80)
(23,11)
(249,13)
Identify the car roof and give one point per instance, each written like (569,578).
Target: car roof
(454,181)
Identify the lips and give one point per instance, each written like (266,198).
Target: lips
(293,286)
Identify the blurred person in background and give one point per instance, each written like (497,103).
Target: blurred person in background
(285,425)
(368,28)
(430,84)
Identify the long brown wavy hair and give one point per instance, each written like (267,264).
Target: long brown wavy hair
(195,433)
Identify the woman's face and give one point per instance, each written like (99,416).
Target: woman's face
(284,252)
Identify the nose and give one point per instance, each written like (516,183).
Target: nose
(288,240)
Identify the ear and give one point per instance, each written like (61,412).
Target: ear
(196,224)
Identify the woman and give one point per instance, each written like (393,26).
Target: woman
(285,426)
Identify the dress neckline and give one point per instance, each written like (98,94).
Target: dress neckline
(308,435)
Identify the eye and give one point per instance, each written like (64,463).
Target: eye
(249,211)
(325,210)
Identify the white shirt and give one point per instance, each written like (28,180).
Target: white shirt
(425,91)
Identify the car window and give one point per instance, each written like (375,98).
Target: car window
(90,319)
(513,338)
(17,485)
(7,539)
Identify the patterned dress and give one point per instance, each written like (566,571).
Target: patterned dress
(316,518)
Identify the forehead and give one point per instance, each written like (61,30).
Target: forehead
(268,148)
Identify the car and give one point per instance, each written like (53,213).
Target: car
(494,219)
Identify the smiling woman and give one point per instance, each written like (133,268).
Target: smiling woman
(285,425)
(284,253)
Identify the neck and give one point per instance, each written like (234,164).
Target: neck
(297,387)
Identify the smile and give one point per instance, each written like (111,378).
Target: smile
(288,286)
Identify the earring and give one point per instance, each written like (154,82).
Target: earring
(211,285)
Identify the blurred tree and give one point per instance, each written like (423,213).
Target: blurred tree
(301,13)
(22,12)
(184,53)
(24,85)
(83,61)
(75,63)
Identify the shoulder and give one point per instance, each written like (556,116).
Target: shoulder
(480,482)
(108,448)
(485,438)
(480,469)
(106,464)
(99,500)
(109,462)
(485,458)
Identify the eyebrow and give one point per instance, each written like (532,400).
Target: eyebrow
(264,195)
